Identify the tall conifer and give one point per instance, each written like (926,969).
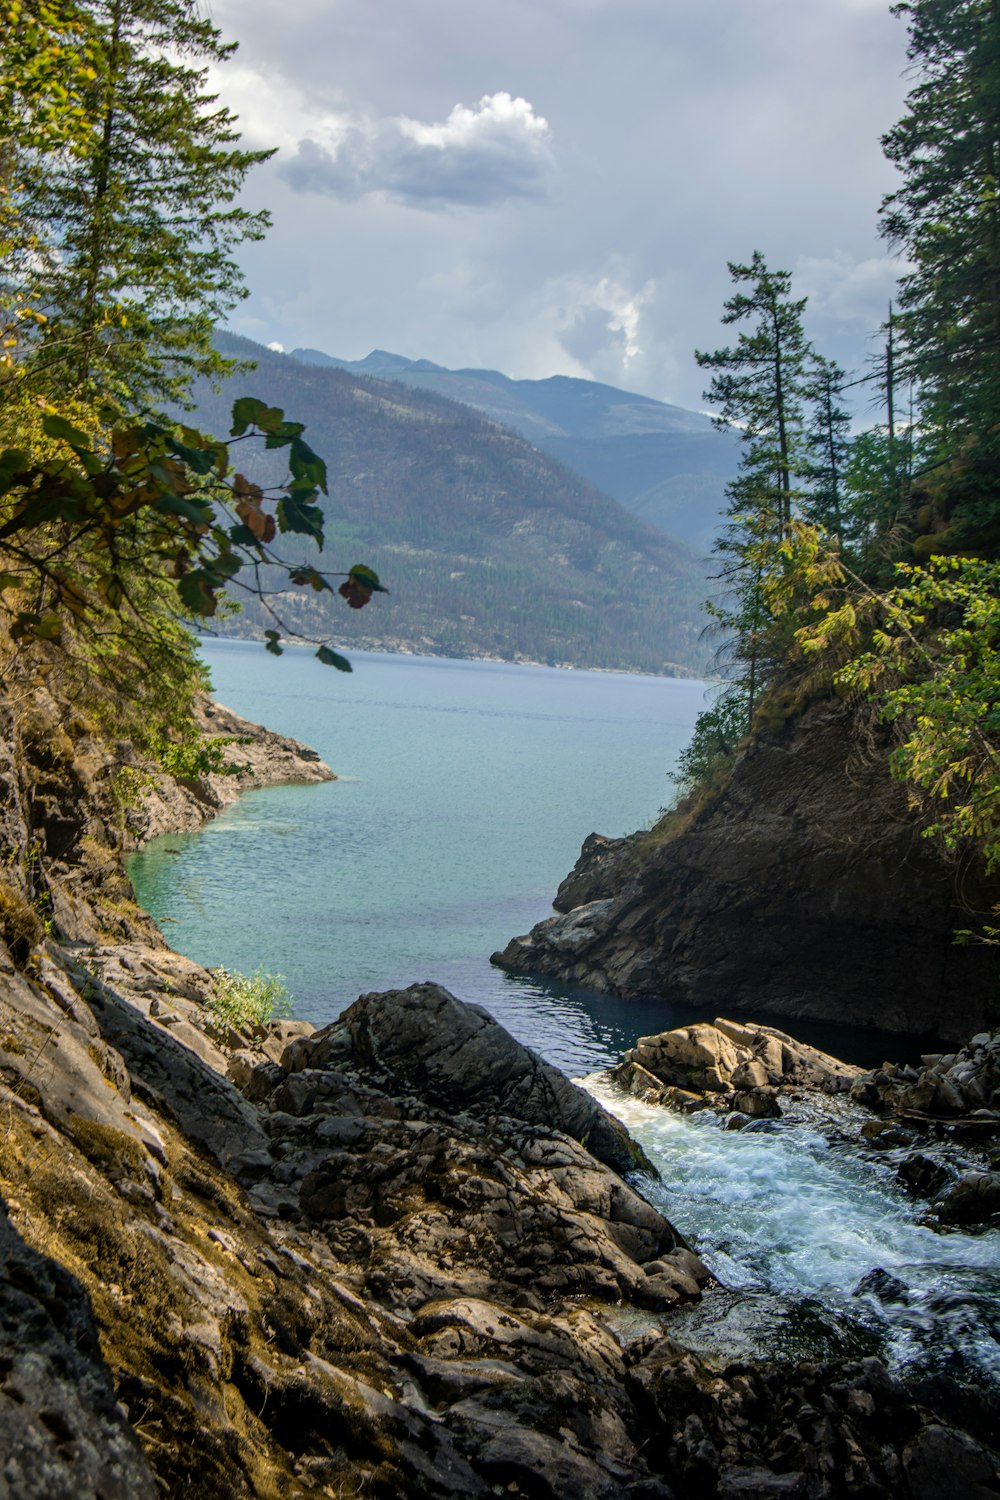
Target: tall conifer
(758,388)
(827,446)
(945,217)
(143,210)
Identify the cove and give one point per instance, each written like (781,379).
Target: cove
(466,790)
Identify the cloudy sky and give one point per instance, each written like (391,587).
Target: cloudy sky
(555,186)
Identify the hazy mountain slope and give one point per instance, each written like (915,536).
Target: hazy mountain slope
(666,464)
(488,546)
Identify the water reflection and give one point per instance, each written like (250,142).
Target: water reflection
(581,1031)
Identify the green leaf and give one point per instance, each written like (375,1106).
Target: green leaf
(111,591)
(271,419)
(271,638)
(307,466)
(196,592)
(368,577)
(191,510)
(279,436)
(331,659)
(24,625)
(13,461)
(10,581)
(49,628)
(55,426)
(224,567)
(294,515)
(242,536)
(248,412)
(198,460)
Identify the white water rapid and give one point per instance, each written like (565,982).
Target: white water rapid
(790,1216)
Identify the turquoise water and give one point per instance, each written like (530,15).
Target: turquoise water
(466,790)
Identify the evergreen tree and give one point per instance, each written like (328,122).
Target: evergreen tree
(141,210)
(758,387)
(946,218)
(827,448)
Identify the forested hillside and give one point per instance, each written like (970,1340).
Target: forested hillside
(663,463)
(487,546)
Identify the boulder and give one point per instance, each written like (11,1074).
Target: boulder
(962,1085)
(974,1199)
(736,1066)
(459,1058)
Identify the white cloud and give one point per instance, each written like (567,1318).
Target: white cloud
(849,290)
(498,150)
(277,347)
(601,321)
(676,136)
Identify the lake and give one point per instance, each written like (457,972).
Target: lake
(465,791)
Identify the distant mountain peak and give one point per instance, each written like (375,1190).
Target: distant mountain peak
(489,546)
(665,463)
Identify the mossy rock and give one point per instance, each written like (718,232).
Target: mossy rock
(110,1149)
(931,545)
(21,928)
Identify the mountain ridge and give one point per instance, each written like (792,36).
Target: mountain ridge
(665,463)
(490,547)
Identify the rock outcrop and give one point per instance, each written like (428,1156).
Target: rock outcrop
(964,1085)
(804,889)
(259,756)
(728,1066)
(373,1270)
(368,1279)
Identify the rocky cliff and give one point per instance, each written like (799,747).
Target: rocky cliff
(804,889)
(382,1259)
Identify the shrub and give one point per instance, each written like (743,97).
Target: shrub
(717,736)
(247,1000)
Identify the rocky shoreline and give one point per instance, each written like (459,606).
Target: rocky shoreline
(801,890)
(372,1260)
(259,756)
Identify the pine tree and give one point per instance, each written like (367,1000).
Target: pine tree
(759,387)
(827,448)
(142,210)
(946,219)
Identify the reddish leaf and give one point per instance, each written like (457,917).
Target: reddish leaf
(356,594)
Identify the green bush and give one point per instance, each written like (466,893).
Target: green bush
(247,1000)
(195,756)
(717,736)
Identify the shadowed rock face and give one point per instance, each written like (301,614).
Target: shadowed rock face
(62,1434)
(458,1057)
(803,890)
